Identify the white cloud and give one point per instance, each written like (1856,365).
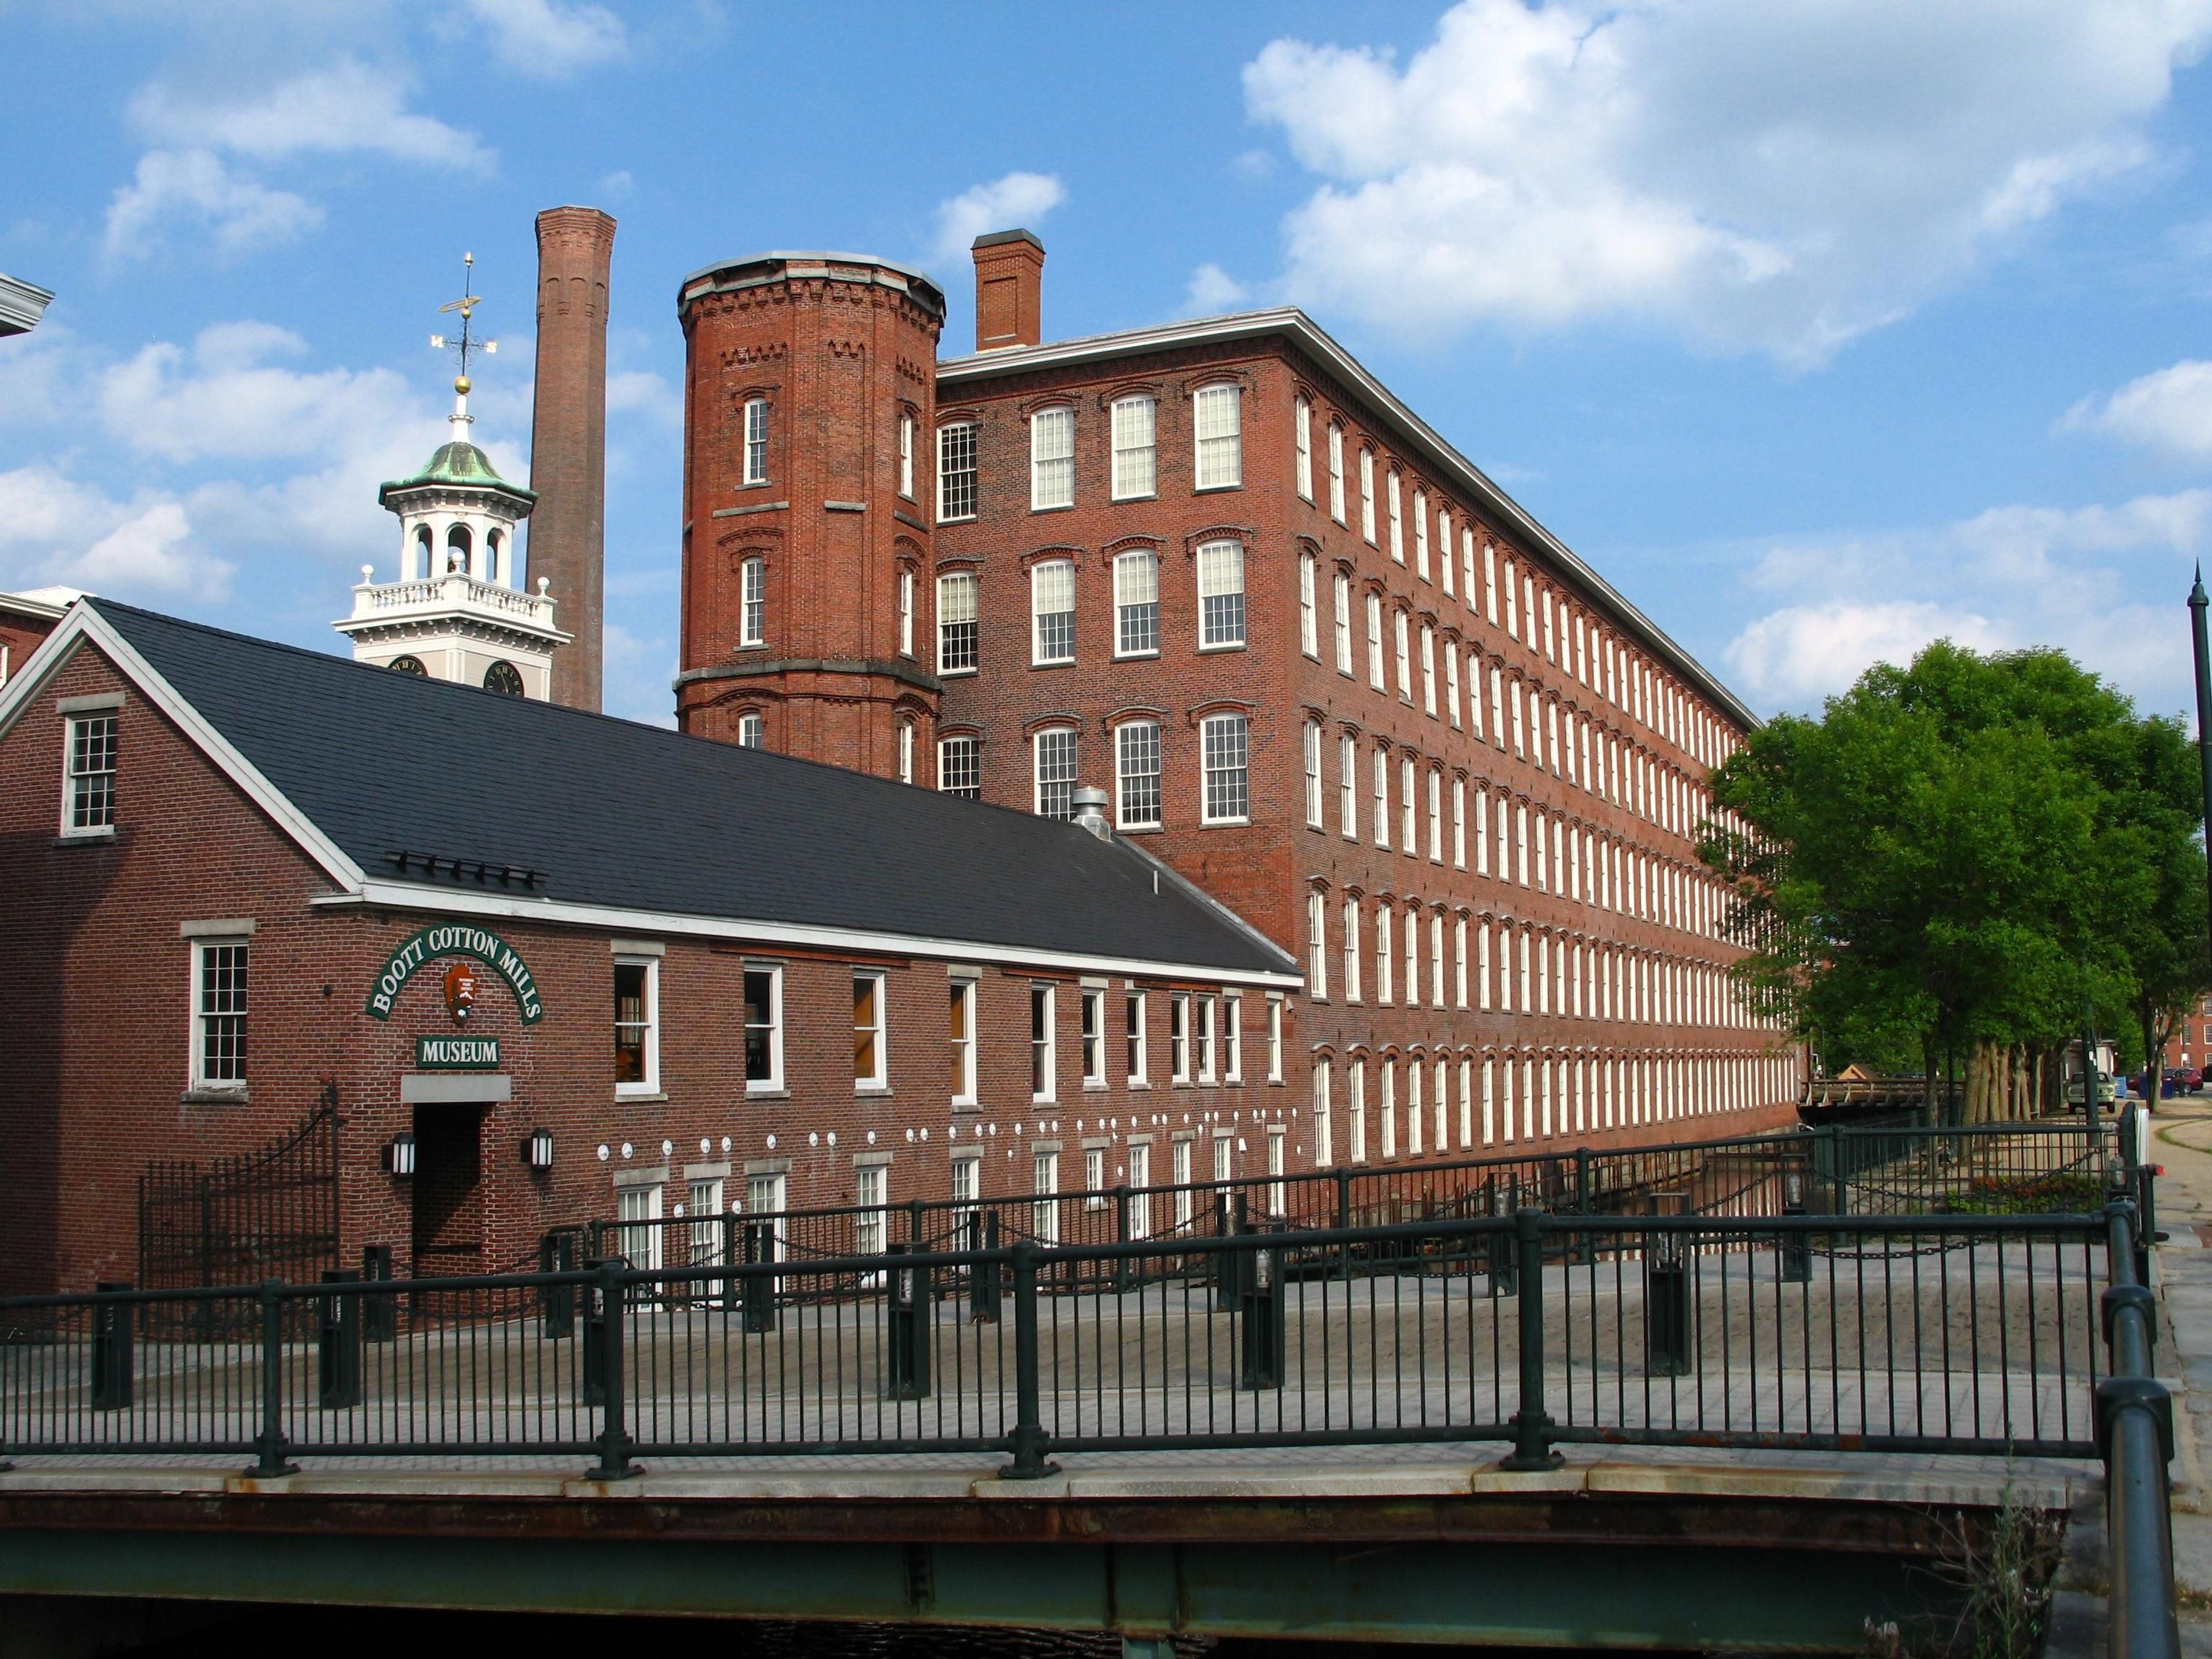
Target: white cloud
(195,187)
(1750,176)
(54,529)
(1008,204)
(347,106)
(1801,654)
(2010,576)
(647,393)
(1214,289)
(2170,409)
(549,40)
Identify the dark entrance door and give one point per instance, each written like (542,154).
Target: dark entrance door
(449,1206)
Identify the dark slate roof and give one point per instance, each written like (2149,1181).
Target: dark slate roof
(641,817)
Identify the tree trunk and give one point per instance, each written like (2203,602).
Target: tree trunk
(2153,1061)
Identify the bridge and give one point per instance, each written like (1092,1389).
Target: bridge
(1496,1422)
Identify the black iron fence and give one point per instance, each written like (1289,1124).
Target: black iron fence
(271,1213)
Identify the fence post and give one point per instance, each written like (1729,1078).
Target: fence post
(380,1315)
(757,1296)
(984,1288)
(1796,1251)
(1028,1442)
(113,1367)
(269,1462)
(2135,1435)
(338,1347)
(908,1306)
(1121,1238)
(1532,1424)
(614,1462)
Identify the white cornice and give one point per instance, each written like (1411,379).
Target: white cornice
(84,624)
(411,896)
(1289,323)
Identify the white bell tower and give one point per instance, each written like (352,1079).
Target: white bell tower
(457,613)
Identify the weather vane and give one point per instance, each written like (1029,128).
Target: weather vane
(466,305)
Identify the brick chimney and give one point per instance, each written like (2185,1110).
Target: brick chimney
(568,439)
(1008,290)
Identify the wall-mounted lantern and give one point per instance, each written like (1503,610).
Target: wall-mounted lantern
(538,1150)
(399,1154)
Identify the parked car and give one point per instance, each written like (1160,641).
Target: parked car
(2106,1091)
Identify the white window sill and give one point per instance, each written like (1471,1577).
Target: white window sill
(211,1094)
(1215,489)
(771,1091)
(965,518)
(1148,495)
(1139,1083)
(954,673)
(106,832)
(964,1104)
(1136,656)
(871,1091)
(1226,645)
(625,1093)
(1138,828)
(1055,662)
(1094,1085)
(1224,823)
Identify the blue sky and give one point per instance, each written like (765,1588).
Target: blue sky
(1821,329)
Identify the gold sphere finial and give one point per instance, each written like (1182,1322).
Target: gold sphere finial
(461,385)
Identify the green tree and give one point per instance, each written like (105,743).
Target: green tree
(1960,858)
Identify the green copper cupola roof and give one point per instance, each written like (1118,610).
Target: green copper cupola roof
(459,464)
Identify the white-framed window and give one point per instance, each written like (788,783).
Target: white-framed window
(1317,946)
(1347,786)
(638,1208)
(906,751)
(1408,805)
(1094,1039)
(1276,1137)
(1044,1043)
(1202,1037)
(705,1239)
(1274,1039)
(1374,641)
(90,747)
(1140,1178)
(955,623)
(1134,1037)
(1324,1129)
(1225,1152)
(1217,421)
(959,768)
(1227,751)
(1397,518)
(1045,1211)
(1308,621)
(763,1029)
(1052,611)
(1435,959)
(752,629)
(871,1055)
(1382,796)
(1336,471)
(1312,753)
(956,472)
(1233,1039)
(1436,816)
(1489,584)
(961,1029)
(1401,631)
(1444,549)
(1367,495)
(1136,774)
(1094,1177)
(1136,449)
(1421,534)
(1220,594)
(757,440)
(218,1057)
(1355,1110)
(871,1190)
(1385,953)
(752,731)
(1352,949)
(1179,1175)
(1428,671)
(637,1025)
(1052,458)
(1137,604)
(1451,685)
(1054,765)
(1302,436)
(1459,961)
(906,613)
(1341,591)
(1459,822)
(906,456)
(1179,1038)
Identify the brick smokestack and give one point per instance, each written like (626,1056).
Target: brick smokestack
(568,439)
(1008,290)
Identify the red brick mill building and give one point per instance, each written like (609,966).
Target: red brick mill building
(1393,804)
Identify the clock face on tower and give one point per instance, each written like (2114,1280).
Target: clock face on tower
(504,679)
(408,666)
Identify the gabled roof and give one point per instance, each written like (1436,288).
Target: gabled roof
(1289,323)
(528,809)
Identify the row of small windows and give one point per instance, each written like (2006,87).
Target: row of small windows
(1225,779)
(1530,1097)
(1542,850)
(1205,1034)
(1134,474)
(1568,638)
(1221,608)
(1571,744)
(1553,973)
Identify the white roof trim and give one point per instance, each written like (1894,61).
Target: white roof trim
(411,896)
(84,624)
(1289,320)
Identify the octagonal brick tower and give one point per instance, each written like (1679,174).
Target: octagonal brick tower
(809,395)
